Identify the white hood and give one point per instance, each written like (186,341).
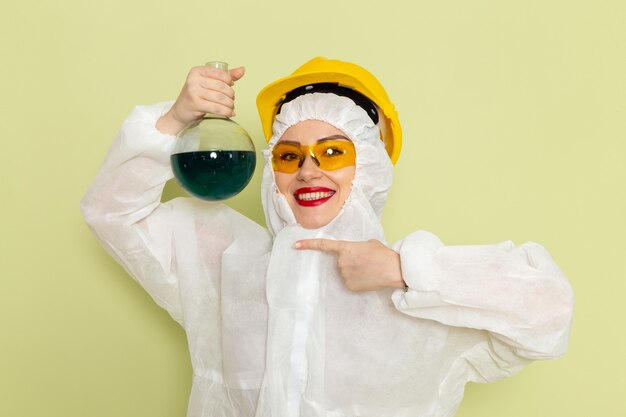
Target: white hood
(374,170)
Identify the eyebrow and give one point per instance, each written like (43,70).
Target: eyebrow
(327,138)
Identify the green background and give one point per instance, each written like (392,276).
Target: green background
(514,116)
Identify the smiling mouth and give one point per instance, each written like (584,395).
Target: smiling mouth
(313,196)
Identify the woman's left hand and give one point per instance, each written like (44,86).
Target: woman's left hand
(364,266)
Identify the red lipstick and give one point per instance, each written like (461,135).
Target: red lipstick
(313,196)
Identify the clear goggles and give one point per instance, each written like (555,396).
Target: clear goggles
(288,157)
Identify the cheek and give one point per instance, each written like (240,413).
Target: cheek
(343,178)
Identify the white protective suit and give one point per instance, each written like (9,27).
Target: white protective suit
(272,332)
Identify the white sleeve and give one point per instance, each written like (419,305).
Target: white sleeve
(123,209)
(517,294)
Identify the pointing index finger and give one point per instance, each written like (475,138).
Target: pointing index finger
(324,245)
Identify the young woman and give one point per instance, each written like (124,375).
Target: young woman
(318,317)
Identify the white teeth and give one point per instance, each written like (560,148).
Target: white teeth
(314,196)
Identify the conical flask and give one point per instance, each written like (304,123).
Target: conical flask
(214,158)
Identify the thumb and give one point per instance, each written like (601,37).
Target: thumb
(237,73)
(324,245)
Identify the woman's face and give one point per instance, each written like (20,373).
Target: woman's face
(315,196)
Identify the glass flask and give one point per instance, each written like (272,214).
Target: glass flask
(214,158)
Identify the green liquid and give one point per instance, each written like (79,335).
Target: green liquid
(213,175)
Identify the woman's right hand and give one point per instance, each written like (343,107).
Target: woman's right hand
(206,90)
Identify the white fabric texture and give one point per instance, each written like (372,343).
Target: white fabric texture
(271,330)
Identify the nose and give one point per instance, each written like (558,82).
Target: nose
(309,170)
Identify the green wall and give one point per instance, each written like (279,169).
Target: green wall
(514,116)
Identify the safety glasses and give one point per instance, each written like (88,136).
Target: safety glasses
(288,157)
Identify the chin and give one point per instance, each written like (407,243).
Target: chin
(313,222)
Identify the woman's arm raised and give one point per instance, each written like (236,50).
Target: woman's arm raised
(123,205)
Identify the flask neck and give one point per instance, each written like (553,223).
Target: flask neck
(223,66)
(218,64)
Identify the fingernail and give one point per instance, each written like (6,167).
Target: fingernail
(232,114)
(297,245)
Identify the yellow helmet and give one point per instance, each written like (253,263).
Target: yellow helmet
(324,71)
